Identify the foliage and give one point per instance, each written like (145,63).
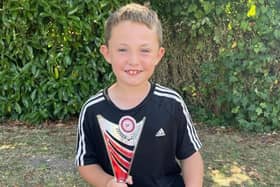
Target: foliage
(230,53)
(50,62)
(223,56)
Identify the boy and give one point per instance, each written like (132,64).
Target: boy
(133,38)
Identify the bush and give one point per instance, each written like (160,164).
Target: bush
(224,57)
(50,61)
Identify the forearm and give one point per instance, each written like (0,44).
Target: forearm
(95,175)
(192,168)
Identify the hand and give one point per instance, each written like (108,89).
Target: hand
(114,183)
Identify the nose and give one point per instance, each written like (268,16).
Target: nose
(134,59)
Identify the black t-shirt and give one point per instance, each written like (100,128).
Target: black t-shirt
(167,135)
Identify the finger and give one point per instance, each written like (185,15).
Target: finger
(129,180)
(114,183)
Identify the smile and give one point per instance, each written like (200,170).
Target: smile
(133,72)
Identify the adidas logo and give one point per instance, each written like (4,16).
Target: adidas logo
(160,133)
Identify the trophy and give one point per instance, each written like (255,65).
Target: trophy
(121,141)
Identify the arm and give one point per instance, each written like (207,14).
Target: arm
(95,176)
(192,168)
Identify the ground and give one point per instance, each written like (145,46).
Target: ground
(44,156)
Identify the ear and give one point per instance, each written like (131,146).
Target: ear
(104,50)
(160,54)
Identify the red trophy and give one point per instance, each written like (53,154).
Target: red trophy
(121,142)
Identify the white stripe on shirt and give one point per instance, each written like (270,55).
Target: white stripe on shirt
(166,92)
(81,144)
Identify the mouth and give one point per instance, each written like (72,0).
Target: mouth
(133,72)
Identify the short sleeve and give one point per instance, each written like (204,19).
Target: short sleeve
(187,139)
(85,152)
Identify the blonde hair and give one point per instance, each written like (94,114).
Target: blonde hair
(135,13)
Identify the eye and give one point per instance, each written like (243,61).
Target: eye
(122,50)
(145,50)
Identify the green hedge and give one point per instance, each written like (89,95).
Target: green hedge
(224,56)
(50,62)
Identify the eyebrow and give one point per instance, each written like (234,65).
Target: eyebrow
(145,44)
(123,44)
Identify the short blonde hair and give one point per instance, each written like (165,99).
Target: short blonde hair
(136,13)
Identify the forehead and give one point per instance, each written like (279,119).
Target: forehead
(128,30)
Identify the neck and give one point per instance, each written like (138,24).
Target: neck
(128,97)
(129,91)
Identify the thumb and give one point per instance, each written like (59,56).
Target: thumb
(129,180)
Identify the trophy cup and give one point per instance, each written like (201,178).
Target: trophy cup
(121,141)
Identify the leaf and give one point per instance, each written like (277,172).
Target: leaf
(259,111)
(18,108)
(56,73)
(33,69)
(25,102)
(235,110)
(276,34)
(67,60)
(263,105)
(252,11)
(33,95)
(73,11)
(208,6)
(30,52)
(192,8)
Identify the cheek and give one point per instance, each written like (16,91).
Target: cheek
(149,66)
(118,65)
(118,60)
(149,61)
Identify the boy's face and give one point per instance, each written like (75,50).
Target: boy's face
(133,51)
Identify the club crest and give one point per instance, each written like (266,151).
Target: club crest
(127,125)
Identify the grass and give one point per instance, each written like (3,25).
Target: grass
(44,157)
(38,156)
(240,159)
